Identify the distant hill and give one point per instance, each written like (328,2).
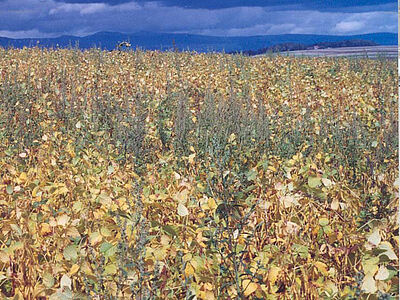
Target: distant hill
(297,46)
(200,43)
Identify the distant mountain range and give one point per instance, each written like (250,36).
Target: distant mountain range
(200,43)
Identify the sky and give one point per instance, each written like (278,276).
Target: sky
(52,18)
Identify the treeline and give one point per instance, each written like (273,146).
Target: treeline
(298,46)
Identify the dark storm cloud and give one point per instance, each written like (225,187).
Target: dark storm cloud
(109,2)
(48,18)
(220,4)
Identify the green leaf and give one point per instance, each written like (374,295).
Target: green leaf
(389,250)
(110,269)
(377,251)
(392,272)
(264,164)
(251,175)
(370,265)
(108,249)
(154,224)
(104,199)
(75,160)
(110,170)
(146,191)
(105,231)
(77,206)
(71,252)
(182,210)
(110,252)
(48,280)
(16,228)
(250,188)
(300,250)
(323,222)
(105,247)
(327,229)
(15,246)
(314,182)
(169,229)
(304,169)
(9,189)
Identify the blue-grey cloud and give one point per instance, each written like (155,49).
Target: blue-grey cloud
(220,4)
(49,18)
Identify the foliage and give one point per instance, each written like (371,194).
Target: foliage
(148,175)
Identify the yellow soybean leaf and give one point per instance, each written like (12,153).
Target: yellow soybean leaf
(105,231)
(95,238)
(86,268)
(232,137)
(335,204)
(72,232)
(211,203)
(210,295)
(369,284)
(249,287)
(208,286)
(165,240)
(63,190)
(327,182)
(62,220)
(206,295)
(322,267)
(74,269)
(45,229)
(383,273)
(189,270)
(273,274)
(4,257)
(65,281)
(187,257)
(182,196)
(374,238)
(35,191)
(160,253)
(23,177)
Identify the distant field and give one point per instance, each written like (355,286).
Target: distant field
(370,51)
